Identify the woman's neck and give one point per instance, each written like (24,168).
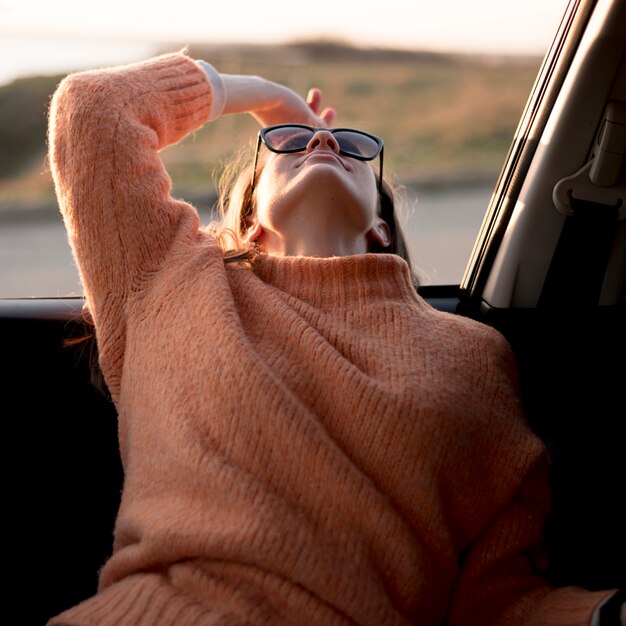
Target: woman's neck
(312,244)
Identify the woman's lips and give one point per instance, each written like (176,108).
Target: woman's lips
(324,155)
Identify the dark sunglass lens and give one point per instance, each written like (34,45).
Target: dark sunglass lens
(356,144)
(288,138)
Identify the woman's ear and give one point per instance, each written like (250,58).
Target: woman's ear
(255,230)
(380,233)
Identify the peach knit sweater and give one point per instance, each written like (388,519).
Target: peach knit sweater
(305,441)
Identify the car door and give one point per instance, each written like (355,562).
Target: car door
(549,268)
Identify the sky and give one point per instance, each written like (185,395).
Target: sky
(43,36)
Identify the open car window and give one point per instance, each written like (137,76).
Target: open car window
(446,107)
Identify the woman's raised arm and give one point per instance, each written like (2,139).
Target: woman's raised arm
(271,103)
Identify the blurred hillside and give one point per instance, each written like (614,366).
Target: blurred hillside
(443,117)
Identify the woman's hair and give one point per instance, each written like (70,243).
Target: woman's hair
(235,204)
(87,346)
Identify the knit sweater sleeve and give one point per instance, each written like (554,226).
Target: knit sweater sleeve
(106,128)
(502,580)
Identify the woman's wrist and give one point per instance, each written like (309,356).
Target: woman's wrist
(247,93)
(240,93)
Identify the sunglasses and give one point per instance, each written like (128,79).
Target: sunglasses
(289,138)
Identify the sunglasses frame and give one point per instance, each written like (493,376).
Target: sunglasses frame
(314,129)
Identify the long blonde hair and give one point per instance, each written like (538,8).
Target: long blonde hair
(234,204)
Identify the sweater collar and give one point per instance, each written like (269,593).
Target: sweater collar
(343,281)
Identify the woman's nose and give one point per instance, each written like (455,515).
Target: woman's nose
(323,139)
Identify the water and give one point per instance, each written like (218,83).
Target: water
(442,225)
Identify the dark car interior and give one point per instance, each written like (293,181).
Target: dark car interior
(551,279)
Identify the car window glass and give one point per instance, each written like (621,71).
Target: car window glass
(445,87)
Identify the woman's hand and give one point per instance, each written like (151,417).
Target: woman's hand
(271,103)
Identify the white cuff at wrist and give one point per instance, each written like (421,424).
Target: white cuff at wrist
(218,91)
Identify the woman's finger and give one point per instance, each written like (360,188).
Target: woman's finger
(328,115)
(314,99)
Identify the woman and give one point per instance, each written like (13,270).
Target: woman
(304,439)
